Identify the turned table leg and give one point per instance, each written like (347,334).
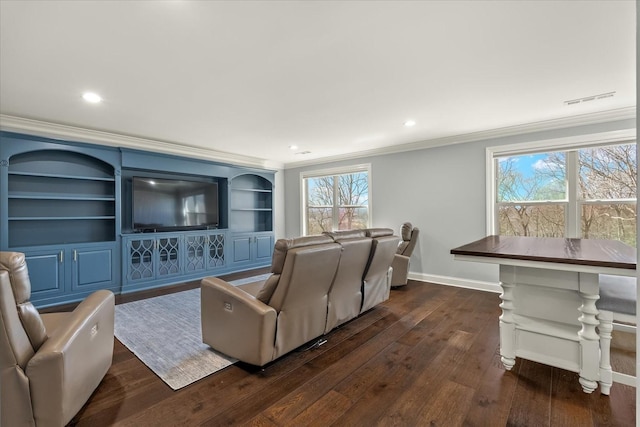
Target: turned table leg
(589,339)
(507,327)
(606,372)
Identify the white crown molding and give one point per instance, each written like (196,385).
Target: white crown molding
(456,282)
(77,134)
(54,130)
(565,122)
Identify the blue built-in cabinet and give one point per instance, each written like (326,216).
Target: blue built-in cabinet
(66,271)
(158,258)
(251,200)
(67,206)
(251,248)
(59,205)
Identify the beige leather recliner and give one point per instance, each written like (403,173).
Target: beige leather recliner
(402,257)
(377,279)
(345,295)
(50,364)
(289,310)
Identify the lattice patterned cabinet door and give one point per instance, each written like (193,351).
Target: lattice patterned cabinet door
(140,261)
(195,250)
(168,256)
(216,251)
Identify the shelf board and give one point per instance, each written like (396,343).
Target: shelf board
(253,209)
(59,218)
(253,190)
(55,175)
(59,196)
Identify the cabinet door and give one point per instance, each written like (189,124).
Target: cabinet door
(241,249)
(201,252)
(92,268)
(46,273)
(216,257)
(252,249)
(139,259)
(264,248)
(195,252)
(168,256)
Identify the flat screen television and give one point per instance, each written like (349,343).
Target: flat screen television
(174,204)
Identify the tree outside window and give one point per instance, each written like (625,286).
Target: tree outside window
(336,202)
(588,193)
(531,196)
(607,191)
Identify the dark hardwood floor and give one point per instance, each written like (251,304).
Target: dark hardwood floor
(428,356)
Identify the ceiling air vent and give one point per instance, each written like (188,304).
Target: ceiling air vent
(589,98)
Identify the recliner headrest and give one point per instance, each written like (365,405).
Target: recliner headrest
(406,246)
(15,264)
(345,234)
(283,245)
(379,232)
(405,231)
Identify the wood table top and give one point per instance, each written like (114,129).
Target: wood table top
(591,252)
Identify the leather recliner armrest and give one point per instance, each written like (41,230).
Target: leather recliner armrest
(236,323)
(69,366)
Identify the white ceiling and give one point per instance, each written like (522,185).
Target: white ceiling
(334,78)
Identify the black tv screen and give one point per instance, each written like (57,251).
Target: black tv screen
(172,204)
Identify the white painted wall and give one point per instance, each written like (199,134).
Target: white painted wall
(440,190)
(278,205)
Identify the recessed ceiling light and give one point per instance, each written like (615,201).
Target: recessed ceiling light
(293,147)
(92,97)
(410,123)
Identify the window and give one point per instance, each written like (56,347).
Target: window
(567,187)
(532,195)
(607,192)
(336,199)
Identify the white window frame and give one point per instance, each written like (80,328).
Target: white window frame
(573,226)
(343,170)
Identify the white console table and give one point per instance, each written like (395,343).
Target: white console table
(549,293)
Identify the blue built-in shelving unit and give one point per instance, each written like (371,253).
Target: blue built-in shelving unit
(67,206)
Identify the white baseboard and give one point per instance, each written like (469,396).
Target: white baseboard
(622,327)
(457,282)
(625,379)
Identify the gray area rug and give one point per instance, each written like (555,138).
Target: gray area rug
(165,334)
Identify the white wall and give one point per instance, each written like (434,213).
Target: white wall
(440,190)
(278,205)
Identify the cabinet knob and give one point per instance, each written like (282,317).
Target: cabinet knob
(61,254)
